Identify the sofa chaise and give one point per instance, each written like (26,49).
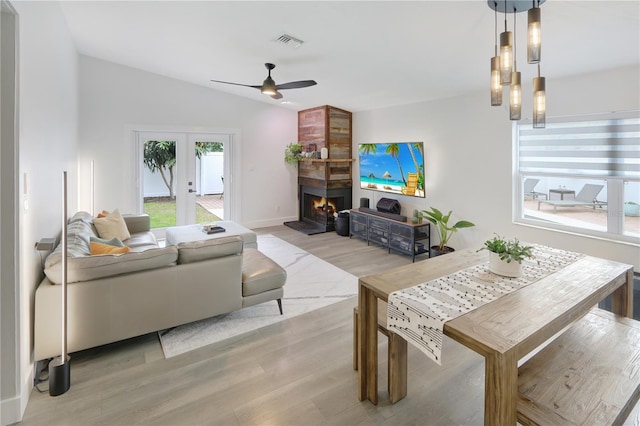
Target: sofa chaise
(115,297)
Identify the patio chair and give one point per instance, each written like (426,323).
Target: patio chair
(586,197)
(528,189)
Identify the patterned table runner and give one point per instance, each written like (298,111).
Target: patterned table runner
(418,313)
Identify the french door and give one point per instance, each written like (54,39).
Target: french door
(182,177)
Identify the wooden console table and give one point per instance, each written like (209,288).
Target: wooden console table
(403,237)
(503,331)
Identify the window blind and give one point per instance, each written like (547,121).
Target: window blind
(590,148)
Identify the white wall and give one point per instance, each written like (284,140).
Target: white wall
(468,155)
(47,146)
(113,98)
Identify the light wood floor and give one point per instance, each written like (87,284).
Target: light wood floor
(296,372)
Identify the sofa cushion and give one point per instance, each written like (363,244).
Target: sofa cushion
(260,273)
(111,226)
(92,267)
(101,248)
(196,251)
(141,240)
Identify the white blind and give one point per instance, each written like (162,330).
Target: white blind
(592,148)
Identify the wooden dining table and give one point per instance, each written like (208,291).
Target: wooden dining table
(502,331)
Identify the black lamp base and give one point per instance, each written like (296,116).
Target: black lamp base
(59,375)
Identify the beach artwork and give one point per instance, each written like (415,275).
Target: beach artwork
(397,168)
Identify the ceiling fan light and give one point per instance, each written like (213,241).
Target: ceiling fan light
(534,40)
(496,86)
(515,97)
(539,103)
(506,57)
(269,87)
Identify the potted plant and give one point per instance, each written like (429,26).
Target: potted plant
(506,256)
(292,153)
(441,222)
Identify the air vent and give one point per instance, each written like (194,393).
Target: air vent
(290,41)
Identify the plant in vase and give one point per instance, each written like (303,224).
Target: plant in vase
(441,222)
(417,217)
(292,153)
(506,256)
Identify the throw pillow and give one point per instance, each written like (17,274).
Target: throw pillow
(117,242)
(111,226)
(102,214)
(100,248)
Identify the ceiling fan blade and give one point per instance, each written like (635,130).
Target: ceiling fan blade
(278,95)
(237,84)
(296,84)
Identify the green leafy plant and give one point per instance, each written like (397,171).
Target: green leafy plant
(292,153)
(441,222)
(508,250)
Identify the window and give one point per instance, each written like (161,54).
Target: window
(580,175)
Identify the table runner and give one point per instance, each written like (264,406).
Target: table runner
(418,313)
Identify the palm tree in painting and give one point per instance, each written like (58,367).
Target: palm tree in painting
(393,149)
(368,148)
(418,147)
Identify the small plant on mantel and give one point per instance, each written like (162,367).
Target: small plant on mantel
(292,153)
(508,250)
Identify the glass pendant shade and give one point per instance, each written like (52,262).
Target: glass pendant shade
(496,86)
(506,57)
(534,43)
(515,97)
(539,103)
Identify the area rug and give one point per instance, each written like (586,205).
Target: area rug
(311,284)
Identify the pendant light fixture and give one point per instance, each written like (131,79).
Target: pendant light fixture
(496,85)
(539,101)
(515,90)
(506,50)
(534,36)
(507,61)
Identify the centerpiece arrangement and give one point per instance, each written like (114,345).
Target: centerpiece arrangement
(506,256)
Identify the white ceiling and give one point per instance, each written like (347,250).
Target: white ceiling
(364,55)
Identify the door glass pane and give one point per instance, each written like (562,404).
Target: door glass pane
(159,183)
(632,209)
(209,181)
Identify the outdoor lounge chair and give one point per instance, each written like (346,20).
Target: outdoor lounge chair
(586,197)
(528,189)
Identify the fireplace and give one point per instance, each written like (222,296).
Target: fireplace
(318,205)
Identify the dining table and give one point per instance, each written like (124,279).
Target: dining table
(503,331)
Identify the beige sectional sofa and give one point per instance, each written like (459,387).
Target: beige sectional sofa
(151,288)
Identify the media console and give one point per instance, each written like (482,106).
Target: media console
(407,238)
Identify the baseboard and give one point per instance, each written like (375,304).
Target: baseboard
(268,222)
(12,409)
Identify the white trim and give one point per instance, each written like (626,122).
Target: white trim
(232,161)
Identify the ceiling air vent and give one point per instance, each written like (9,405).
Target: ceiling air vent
(290,41)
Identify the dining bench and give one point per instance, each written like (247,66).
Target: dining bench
(588,375)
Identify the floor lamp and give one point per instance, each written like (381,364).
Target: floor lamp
(60,367)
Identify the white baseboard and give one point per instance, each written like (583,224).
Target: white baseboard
(268,222)
(12,409)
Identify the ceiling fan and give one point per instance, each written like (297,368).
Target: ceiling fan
(269,87)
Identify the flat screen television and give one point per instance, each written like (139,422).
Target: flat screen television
(396,168)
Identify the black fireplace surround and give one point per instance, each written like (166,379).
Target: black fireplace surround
(318,205)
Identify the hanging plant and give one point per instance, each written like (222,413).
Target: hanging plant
(292,153)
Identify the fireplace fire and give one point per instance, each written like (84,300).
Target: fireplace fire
(318,205)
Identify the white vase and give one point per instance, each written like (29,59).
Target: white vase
(324,153)
(500,267)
